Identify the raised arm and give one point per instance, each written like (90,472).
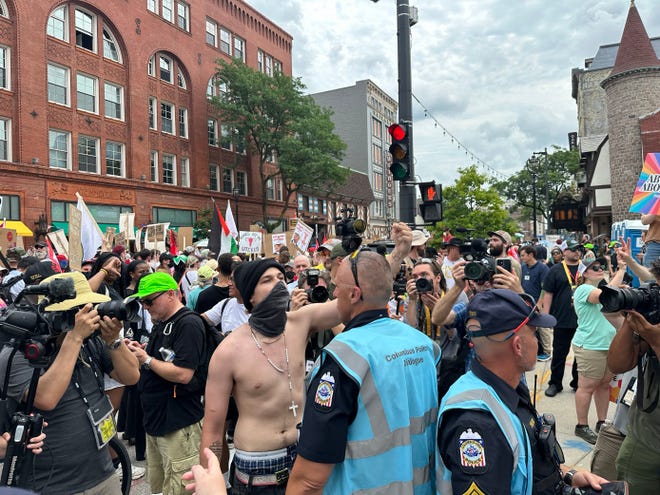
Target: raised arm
(402,237)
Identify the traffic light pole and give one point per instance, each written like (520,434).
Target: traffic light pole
(407,198)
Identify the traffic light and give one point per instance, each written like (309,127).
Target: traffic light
(400,151)
(431,207)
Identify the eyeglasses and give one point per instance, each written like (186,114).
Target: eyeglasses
(354,269)
(596,268)
(149,302)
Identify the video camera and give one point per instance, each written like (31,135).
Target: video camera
(644,300)
(479,266)
(350,228)
(316,293)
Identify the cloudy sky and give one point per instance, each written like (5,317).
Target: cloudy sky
(494,73)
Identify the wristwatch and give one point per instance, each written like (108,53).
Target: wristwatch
(114,344)
(568,477)
(147,363)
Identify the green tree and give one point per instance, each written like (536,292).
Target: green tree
(473,203)
(558,174)
(202,227)
(275,119)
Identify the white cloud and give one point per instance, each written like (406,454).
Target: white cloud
(495,73)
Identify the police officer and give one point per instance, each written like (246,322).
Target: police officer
(490,437)
(369,420)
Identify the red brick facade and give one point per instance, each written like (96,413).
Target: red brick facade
(69,102)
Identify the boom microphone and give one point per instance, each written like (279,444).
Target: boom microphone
(57,290)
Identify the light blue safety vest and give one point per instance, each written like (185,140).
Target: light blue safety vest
(470,392)
(391,443)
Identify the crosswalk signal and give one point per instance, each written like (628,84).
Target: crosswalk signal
(431,207)
(400,151)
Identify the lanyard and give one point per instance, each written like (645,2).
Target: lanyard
(91,364)
(572,280)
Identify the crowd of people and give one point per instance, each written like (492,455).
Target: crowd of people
(340,372)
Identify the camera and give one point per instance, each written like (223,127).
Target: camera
(316,293)
(399,286)
(350,228)
(479,266)
(126,310)
(644,300)
(423,285)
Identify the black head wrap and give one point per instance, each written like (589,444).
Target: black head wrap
(247,275)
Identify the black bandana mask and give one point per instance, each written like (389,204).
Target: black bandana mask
(269,316)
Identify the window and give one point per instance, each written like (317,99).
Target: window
(225,138)
(169,172)
(183,15)
(239,142)
(213,132)
(153,166)
(239,48)
(227,180)
(165,65)
(10,207)
(151,70)
(225,41)
(166,111)
(278,189)
(58,149)
(376,154)
(114,159)
(152,5)
(152,113)
(270,189)
(260,61)
(110,49)
(376,128)
(324,206)
(216,87)
(213,178)
(88,154)
(183,122)
(167,10)
(211,32)
(4,67)
(241,182)
(58,84)
(301,203)
(185,172)
(84,30)
(113,95)
(176,218)
(269,65)
(377,181)
(5,140)
(180,78)
(57,25)
(86,92)
(278,66)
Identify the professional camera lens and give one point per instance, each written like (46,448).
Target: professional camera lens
(645,301)
(424,285)
(126,310)
(318,294)
(474,270)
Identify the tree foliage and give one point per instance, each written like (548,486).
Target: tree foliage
(558,175)
(276,119)
(473,203)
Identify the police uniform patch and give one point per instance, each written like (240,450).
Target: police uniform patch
(473,489)
(472,451)
(325,391)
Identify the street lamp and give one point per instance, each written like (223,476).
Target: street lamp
(546,209)
(533,161)
(236,192)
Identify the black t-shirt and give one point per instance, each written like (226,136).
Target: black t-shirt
(209,297)
(70,462)
(475,433)
(170,406)
(557,283)
(326,419)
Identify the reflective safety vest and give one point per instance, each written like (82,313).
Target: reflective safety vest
(471,392)
(391,442)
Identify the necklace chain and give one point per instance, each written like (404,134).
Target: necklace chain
(293,405)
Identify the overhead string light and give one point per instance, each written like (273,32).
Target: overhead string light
(479,162)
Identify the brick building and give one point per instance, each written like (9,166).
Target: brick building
(108,98)
(618,99)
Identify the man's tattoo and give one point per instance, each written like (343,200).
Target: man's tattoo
(216,448)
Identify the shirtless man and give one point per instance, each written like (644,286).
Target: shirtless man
(261,363)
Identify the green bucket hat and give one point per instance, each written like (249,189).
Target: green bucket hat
(155,282)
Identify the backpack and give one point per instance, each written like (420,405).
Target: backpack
(212,339)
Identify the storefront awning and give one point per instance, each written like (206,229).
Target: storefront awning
(20,228)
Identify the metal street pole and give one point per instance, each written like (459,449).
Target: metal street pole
(534,202)
(236,193)
(407,198)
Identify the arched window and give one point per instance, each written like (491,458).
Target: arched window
(110,46)
(4,12)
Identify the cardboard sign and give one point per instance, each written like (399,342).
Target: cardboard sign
(75,243)
(302,236)
(278,240)
(184,237)
(250,242)
(8,239)
(59,241)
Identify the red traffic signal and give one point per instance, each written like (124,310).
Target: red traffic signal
(431,207)
(399,148)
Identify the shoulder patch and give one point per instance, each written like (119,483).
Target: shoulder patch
(473,489)
(472,452)
(325,392)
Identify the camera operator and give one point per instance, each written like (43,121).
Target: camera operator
(70,396)
(637,343)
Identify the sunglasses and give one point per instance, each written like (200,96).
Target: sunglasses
(354,269)
(596,268)
(149,302)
